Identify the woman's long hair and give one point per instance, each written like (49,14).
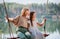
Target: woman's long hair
(24,11)
(31,16)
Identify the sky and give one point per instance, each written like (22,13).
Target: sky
(31,1)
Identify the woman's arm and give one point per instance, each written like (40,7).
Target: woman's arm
(41,24)
(10,19)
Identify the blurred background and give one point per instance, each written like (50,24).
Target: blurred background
(50,9)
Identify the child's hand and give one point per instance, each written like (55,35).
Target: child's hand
(44,19)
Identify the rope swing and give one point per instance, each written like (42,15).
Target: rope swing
(10,29)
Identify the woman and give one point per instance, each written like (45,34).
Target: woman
(21,24)
(33,26)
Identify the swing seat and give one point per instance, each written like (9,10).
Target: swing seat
(14,38)
(45,35)
(11,38)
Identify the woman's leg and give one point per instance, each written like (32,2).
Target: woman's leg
(28,35)
(21,35)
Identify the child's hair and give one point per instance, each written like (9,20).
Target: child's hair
(31,16)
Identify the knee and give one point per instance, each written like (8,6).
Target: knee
(21,35)
(28,35)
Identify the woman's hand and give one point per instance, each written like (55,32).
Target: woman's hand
(6,17)
(9,19)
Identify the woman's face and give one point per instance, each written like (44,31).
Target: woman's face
(34,16)
(27,13)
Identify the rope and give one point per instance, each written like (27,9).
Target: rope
(45,28)
(10,29)
(45,22)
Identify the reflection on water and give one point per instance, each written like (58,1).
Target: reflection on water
(54,35)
